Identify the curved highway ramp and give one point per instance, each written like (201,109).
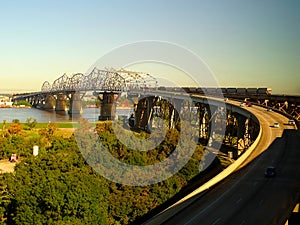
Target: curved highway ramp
(247,196)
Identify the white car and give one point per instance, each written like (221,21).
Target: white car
(291,122)
(276,125)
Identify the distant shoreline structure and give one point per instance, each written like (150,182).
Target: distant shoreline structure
(10,105)
(24,106)
(13,91)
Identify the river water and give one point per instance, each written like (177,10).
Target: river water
(43,116)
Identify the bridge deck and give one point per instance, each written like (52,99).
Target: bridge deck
(224,203)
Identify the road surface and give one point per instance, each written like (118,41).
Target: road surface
(247,196)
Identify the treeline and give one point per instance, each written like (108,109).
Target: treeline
(59,187)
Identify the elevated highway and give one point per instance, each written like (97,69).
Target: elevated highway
(238,195)
(247,196)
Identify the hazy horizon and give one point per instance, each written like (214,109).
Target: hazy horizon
(244,43)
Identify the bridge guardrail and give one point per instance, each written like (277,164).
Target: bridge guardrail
(282,113)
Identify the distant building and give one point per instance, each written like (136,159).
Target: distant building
(5,101)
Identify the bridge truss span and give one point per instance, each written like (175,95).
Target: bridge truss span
(101,80)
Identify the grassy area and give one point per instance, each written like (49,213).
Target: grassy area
(66,133)
(44,125)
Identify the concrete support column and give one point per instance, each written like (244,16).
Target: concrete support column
(108,106)
(36,102)
(175,108)
(211,112)
(61,103)
(143,113)
(49,102)
(31,100)
(247,137)
(253,129)
(202,123)
(241,130)
(75,104)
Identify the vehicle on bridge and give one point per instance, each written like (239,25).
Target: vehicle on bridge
(228,91)
(249,104)
(292,122)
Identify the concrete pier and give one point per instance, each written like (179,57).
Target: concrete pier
(75,104)
(143,113)
(175,108)
(49,102)
(108,106)
(61,103)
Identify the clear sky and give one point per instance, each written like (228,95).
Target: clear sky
(245,43)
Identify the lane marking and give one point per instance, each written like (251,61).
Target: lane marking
(216,221)
(237,202)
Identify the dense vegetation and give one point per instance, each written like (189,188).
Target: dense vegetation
(23,103)
(59,187)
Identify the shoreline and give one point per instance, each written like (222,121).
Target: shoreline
(31,107)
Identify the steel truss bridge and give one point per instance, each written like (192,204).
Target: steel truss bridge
(208,111)
(118,81)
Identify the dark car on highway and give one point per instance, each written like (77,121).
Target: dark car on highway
(270,171)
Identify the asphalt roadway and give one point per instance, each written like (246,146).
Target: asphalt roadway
(247,196)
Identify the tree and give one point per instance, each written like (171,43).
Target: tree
(15,129)
(56,188)
(16,121)
(22,103)
(3,127)
(31,123)
(48,132)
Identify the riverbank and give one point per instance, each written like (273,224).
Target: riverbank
(14,106)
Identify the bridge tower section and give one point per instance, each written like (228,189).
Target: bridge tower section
(75,107)
(61,103)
